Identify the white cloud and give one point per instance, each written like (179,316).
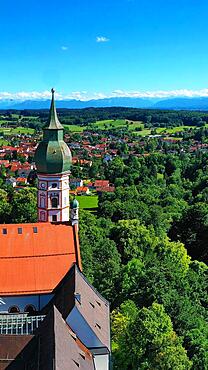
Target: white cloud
(64,48)
(162,93)
(86,95)
(102,39)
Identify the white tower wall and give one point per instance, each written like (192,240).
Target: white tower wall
(53,198)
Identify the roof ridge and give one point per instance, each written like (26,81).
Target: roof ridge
(38,255)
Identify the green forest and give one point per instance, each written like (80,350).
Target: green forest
(145,248)
(146,251)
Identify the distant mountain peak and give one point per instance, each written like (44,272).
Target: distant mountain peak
(186,103)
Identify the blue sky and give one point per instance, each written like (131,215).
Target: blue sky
(109,47)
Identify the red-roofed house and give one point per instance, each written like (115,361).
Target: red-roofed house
(82,190)
(21,180)
(100,183)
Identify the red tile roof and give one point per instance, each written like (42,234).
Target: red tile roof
(82,189)
(32,263)
(22,179)
(4,161)
(101,183)
(109,189)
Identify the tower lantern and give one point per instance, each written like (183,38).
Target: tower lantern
(53,161)
(74,212)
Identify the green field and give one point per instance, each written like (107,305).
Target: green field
(118,123)
(131,125)
(162,130)
(74,128)
(87,201)
(108,124)
(173,130)
(105,125)
(17,130)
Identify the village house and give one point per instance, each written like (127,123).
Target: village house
(11,181)
(75,183)
(82,190)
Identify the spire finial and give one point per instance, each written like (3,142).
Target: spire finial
(53,119)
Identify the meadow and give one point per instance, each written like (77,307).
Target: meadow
(87,201)
(132,126)
(16,130)
(105,125)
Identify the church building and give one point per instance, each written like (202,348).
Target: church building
(51,317)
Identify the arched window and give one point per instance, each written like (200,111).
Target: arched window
(54,202)
(13,309)
(30,309)
(42,201)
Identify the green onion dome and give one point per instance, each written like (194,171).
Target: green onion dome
(74,204)
(52,155)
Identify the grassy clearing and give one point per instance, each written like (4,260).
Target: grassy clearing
(17,116)
(74,128)
(88,201)
(144,132)
(118,123)
(163,130)
(17,130)
(109,124)
(14,115)
(106,125)
(174,138)
(173,130)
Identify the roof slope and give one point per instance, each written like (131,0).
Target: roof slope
(11,347)
(84,309)
(70,353)
(94,309)
(35,257)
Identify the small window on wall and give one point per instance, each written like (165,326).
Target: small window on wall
(13,309)
(42,202)
(54,218)
(30,309)
(54,202)
(54,185)
(42,216)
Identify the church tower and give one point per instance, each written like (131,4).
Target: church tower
(53,161)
